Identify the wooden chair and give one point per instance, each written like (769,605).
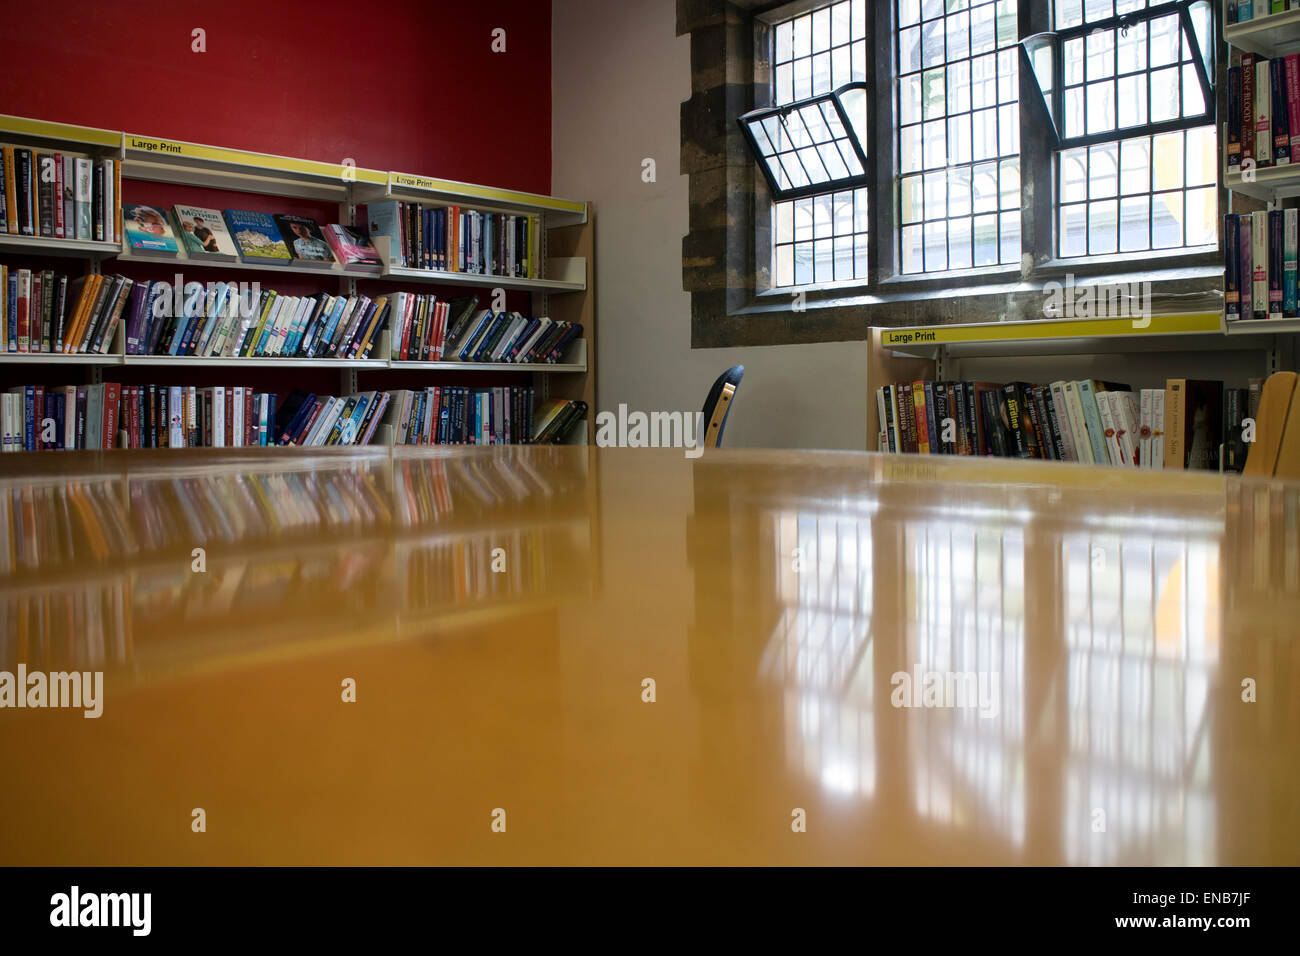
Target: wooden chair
(718,405)
(1276,448)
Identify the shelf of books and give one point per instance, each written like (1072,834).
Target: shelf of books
(1260,136)
(1271,33)
(376,306)
(920,402)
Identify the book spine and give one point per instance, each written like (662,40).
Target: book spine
(1248,155)
(44,188)
(60,312)
(1174,453)
(1280,112)
(1275,257)
(1233,148)
(11,191)
(97,201)
(12,293)
(1263,114)
(922,418)
(57,199)
(68,197)
(24,309)
(1290,263)
(23,160)
(1231,268)
(1259,260)
(1291,67)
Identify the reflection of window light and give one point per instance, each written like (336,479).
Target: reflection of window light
(820,648)
(966,614)
(1143,619)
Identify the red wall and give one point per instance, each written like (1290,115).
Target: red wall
(410,85)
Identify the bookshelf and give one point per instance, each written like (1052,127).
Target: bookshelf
(564,287)
(1024,349)
(1276,34)
(1270,36)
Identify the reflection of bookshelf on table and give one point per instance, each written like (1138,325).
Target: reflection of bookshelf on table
(94,572)
(557,279)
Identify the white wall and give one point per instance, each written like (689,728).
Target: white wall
(619,75)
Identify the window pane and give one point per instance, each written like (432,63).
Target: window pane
(959,243)
(1102,227)
(1135,166)
(1202,216)
(986,240)
(1074,230)
(1102,171)
(1135,223)
(822,238)
(966,85)
(1142,192)
(784,221)
(911,249)
(1010,225)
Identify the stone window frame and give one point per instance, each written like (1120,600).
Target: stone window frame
(726,255)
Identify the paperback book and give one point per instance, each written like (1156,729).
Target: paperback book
(204,234)
(305,241)
(257,237)
(148,232)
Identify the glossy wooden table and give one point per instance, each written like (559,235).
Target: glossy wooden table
(1110,618)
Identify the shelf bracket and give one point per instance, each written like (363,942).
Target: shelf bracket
(348,381)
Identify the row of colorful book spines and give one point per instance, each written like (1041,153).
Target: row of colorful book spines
(110,415)
(59,195)
(1261,270)
(452,239)
(1264,127)
(36,311)
(1015,420)
(32,309)
(513,338)
(1086,421)
(1243,11)
(322,325)
(456,415)
(327,420)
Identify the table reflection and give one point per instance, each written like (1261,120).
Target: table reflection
(144,569)
(1100,626)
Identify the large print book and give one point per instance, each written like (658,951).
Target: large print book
(352,248)
(305,240)
(257,237)
(204,234)
(148,233)
(1193,424)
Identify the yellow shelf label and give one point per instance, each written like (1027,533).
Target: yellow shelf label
(86,134)
(1191,322)
(271,164)
(238,157)
(414,182)
(409,181)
